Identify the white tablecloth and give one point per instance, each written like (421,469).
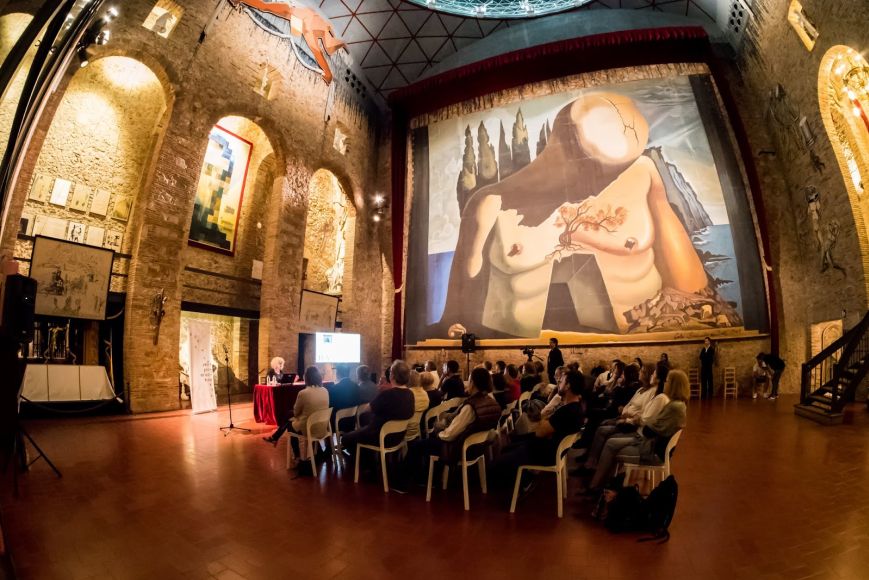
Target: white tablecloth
(66,383)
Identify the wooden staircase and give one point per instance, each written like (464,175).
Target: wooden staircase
(830,378)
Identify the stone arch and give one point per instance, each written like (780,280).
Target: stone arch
(96,141)
(843,98)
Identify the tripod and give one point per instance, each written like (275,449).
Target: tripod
(19,455)
(229,428)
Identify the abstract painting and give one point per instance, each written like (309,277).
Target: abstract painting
(617,211)
(220,191)
(72,280)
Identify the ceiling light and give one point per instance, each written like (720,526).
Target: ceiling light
(103,37)
(111,13)
(378,200)
(376,217)
(82,54)
(857,111)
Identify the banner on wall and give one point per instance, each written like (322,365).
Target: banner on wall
(202,395)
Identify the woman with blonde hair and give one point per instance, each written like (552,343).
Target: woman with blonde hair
(648,445)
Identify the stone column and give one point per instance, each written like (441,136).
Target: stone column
(282,268)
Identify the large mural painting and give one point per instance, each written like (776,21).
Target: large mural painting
(614,210)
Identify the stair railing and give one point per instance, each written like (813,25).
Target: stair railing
(827,366)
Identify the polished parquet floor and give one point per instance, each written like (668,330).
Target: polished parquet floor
(763,494)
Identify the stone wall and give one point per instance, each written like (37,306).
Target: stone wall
(204,82)
(101,145)
(806,292)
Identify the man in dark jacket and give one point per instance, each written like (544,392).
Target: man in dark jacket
(343,394)
(452,384)
(554,360)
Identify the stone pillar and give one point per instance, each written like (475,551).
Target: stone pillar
(150,369)
(282,269)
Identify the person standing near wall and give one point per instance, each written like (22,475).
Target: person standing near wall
(707,362)
(554,360)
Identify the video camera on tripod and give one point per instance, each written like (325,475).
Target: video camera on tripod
(529,352)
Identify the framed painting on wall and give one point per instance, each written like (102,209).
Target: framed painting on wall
(220,191)
(318,312)
(72,280)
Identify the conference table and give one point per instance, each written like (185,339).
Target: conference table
(273,404)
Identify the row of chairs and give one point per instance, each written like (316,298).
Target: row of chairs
(319,430)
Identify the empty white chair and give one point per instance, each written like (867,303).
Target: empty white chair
(475,439)
(559,469)
(652,471)
(339,415)
(319,429)
(388,428)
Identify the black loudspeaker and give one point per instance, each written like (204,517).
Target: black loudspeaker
(469,343)
(19,301)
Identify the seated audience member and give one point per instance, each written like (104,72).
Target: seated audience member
(647,445)
(427,382)
(479,412)
(420,402)
(367,388)
(314,397)
(556,396)
(452,384)
(530,378)
(276,371)
(432,369)
(511,375)
(488,366)
(343,394)
(539,448)
(393,404)
(639,362)
(385,380)
(499,384)
(606,379)
(629,420)
(760,373)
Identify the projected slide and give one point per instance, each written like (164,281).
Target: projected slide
(336,347)
(615,210)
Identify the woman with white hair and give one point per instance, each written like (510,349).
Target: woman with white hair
(276,371)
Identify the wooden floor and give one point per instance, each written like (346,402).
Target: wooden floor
(763,494)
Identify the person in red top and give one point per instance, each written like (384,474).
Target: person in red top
(512,376)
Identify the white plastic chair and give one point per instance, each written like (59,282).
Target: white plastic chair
(339,415)
(652,470)
(417,417)
(388,428)
(319,429)
(476,439)
(559,469)
(433,414)
(361,410)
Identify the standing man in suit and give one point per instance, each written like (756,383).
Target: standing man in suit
(707,361)
(554,360)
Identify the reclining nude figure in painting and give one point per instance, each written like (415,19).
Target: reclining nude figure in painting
(591,191)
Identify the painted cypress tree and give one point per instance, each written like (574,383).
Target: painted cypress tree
(521,153)
(467,181)
(487,166)
(541,140)
(505,156)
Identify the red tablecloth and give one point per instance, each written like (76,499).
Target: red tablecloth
(273,405)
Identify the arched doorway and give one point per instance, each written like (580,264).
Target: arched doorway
(843,97)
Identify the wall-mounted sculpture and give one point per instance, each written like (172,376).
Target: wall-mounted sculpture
(305,23)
